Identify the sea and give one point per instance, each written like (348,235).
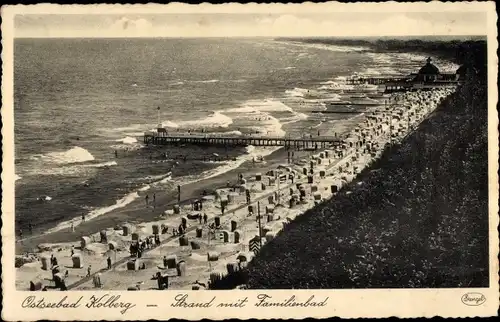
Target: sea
(81,107)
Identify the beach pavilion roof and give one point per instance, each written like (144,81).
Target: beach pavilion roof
(429,68)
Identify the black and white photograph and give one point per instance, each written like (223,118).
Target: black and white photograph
(266,150)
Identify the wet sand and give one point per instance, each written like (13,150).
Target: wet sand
(137,212)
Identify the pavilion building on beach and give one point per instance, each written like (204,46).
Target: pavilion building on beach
(429,73)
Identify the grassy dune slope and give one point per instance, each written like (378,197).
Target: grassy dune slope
(418,219)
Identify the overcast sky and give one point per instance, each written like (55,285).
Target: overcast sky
(247,25)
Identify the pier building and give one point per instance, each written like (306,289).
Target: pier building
(428,77)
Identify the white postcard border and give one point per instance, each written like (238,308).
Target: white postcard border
(343,303)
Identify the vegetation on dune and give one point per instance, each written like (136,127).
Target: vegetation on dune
(418,218)
(455,49)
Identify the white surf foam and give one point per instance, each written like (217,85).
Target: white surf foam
(127,140)
(337,84)
(169,124)
(96,213)
(101,165)
(251,153)
(206,81)
(73,155)
(325,46)
(266,105)
(216,119)
(297,92)
(16,177)
(176,83)
(233,133)
(378,71)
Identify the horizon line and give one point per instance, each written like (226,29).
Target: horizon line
(483,37)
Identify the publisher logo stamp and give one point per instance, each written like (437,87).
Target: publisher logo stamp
(473,299)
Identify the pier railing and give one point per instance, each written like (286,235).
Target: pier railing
(162,138)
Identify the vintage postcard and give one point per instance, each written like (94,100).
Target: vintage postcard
(249,161)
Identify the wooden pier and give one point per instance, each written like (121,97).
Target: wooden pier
(408,83)
(160,138)
(376,80)
(342,112)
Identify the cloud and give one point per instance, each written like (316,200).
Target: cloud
(217,25)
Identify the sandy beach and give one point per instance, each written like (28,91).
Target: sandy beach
(227,246)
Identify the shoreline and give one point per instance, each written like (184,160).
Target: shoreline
(189,192)
(339,169)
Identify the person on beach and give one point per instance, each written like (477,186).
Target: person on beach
(147,199)
(20,233)
(200,218)
(89,270)
(30,228)
(109,262)
(116,154)
(83,218)
(154,199)
(72,227)
(72,250)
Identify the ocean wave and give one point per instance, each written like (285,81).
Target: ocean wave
(128,147)
(216,119)
(73,155)
(269,126)
(379,71)
(101,165)
(297,92)
(134,134)
(233,133)
(335,48)
(335,85)
(96,213)
(71,169)
(169,124)
(206,81)
(242,109)
(16,177)
(176,84)
(131,128)
(252,152)
(127,140)
(266,105)
(260,113)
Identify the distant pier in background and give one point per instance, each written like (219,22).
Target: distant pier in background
(428,77)
(163,138)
